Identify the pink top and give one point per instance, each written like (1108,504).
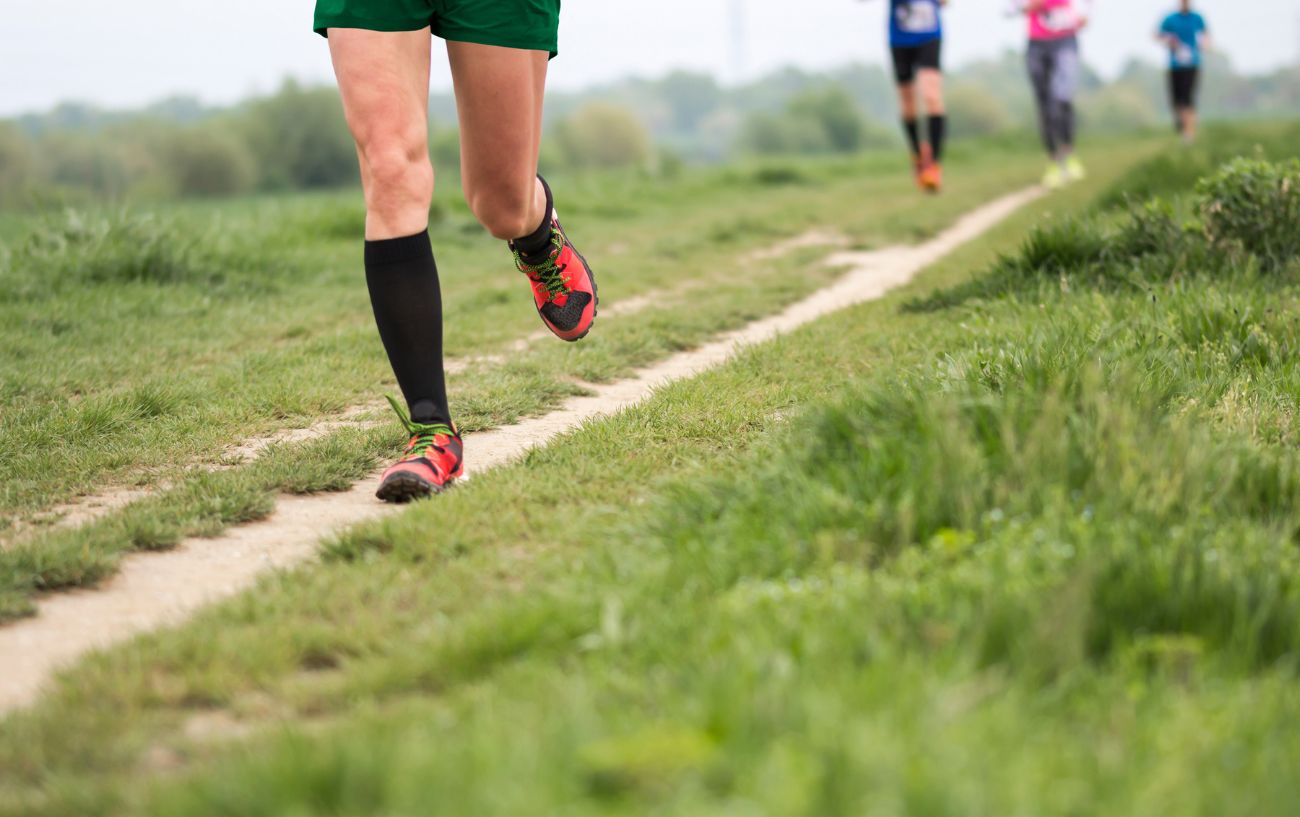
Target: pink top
(1056,20)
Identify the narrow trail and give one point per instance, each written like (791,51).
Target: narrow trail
(162,589)
(86,509)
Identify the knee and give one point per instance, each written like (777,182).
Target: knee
(398,170)
(907,100)
(932,92)
(505,210)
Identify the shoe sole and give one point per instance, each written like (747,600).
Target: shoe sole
(403,487)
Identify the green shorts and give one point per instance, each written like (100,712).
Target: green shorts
(532,25)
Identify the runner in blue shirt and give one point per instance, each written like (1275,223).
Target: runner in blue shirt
(916,44)
(1185,34)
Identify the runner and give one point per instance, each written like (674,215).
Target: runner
(1053,61)
(499,52)
(1185,34)
(916,42)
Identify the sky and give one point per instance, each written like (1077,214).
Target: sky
(128,53)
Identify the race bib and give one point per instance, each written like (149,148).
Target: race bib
(1184,55)
(920,17)
(1059,19)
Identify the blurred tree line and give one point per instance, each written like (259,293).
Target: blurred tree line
(296,139)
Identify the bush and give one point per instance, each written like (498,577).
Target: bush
(80,162)
(767,133)
(815,121)
(16,166)
(1118,108)
(300,139)
(207,162)
(1254,205)
(973,111)
(600,135)
(844,125)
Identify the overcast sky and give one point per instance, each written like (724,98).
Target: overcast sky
(129,52)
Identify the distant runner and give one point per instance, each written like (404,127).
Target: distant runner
(916,43)
(1054,67)
(499,54)
(1185,34)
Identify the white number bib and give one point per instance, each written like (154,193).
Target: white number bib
(1060,19)
(918,17)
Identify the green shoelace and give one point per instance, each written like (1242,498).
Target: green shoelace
(424,434)
(548,272)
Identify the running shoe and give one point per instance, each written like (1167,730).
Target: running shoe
(921,164)
(434,458)
(1074,170)
(564,288)
(932,178)
(1054,178)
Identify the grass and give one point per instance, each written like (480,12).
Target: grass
(1026,550)
(144,347)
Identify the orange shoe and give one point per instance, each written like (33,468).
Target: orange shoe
(931,178)
(434,458)
(921,163)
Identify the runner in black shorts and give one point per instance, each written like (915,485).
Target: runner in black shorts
(1185,34)
(916,42)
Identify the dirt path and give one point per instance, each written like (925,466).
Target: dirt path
(156,590)
(86,509)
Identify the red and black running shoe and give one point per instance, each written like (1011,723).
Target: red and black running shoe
(564,288)
(434,458)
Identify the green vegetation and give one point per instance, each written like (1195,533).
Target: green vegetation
(296,139)
(818,121)
(145,345)
(1016,545)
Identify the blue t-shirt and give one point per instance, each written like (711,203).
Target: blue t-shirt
(914,22)
(1187,28)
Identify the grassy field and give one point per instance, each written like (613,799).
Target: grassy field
(1019,542)
(145,345)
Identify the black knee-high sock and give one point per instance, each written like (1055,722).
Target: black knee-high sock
(913,135)
(938,132)
(403,281)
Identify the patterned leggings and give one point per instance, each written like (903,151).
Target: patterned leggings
(1054,73)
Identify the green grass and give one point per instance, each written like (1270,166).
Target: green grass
(941,560)
(144,346)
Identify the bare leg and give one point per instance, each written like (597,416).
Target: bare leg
(1189,124)
(499,94)
(907,100)
(384,80)
(931,84)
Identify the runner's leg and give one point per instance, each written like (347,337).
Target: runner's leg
(1038,59)
(905,81)
(930,81)
(1175,100)
(1065,83)
(384,81)
(499,93)
(907,105)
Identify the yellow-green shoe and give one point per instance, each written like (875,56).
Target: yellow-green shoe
(1074,170)
(1054,178)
